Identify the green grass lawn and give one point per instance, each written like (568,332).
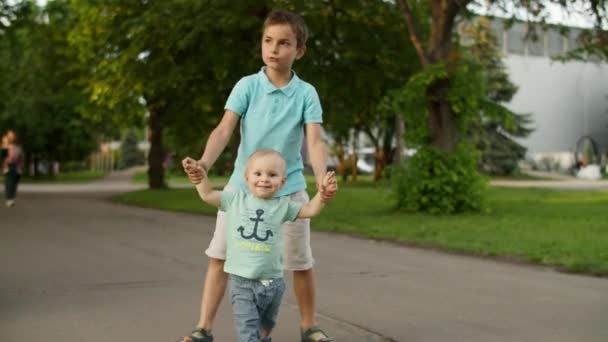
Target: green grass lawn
(566,229)
(66,177)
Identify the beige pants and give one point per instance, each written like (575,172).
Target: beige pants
(297,255)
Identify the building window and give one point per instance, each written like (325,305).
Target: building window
(573,39)
(498,30)
(536,42)
(515,39)
(555,42)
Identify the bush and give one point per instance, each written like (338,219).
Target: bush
(436,182)
(129,154)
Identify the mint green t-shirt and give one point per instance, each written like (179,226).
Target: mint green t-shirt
(254,237)
(273,118)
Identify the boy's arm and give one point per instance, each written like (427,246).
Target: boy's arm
(219,138)
(313,208)
(217,141)
(318,157)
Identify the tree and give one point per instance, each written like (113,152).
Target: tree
(455,94)
(175,61)
(493,133)
(130,155)
(43,106)
(439,44)
(355,58)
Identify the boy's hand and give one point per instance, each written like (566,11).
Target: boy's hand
(328,186)
(195,170)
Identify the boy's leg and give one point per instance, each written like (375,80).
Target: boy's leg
(246,315)
(304,288)
(215,278)
(298,258)
(213,292)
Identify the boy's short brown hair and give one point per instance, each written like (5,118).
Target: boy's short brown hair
(281,17)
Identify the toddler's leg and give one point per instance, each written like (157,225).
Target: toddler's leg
(271,298)
(246,315)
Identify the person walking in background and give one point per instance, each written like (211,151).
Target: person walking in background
(12,167)
(3,149)
(274,107)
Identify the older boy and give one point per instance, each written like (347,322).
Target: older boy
(274,107)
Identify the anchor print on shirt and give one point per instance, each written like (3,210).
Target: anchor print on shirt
(254,234)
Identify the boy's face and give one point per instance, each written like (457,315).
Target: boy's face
(265,175)
(280,47)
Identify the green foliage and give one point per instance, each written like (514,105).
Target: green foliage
(496,126)
(412,103)
(437,182)
(38,100)
(466,92)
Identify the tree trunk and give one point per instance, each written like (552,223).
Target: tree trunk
(341,168)
(399,139)
(354,157)
(379,163)
(156,172)
(442,123)
(36,160)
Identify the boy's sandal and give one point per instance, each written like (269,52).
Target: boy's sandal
(199,335)
(315,334)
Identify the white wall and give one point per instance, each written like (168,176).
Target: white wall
(567,101)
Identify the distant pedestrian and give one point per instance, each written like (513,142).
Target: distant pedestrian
(3,149)
(12,167)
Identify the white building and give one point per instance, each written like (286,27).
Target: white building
(567,100)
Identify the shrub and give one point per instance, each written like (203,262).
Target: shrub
(130,155)
(436,182)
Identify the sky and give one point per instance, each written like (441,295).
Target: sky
(574,16)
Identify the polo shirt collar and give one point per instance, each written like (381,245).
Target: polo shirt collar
(288,90)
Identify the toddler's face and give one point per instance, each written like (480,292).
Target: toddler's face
(265,175)
(280,47)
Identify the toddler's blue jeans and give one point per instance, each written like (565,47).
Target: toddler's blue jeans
(255,304)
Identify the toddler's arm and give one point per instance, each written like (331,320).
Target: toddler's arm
(204,189)
(313,208)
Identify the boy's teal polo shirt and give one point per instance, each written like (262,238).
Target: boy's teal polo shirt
(273,118)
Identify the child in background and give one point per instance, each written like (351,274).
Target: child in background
(254,256)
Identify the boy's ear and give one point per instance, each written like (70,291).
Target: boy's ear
(300,53)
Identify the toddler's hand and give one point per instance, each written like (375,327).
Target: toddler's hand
(194,169)
(329,186)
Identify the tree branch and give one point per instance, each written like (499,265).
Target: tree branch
(414,35)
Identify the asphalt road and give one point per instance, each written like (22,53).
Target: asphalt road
(75,267)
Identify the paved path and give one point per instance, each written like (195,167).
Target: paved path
(75,267)
(554,180)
